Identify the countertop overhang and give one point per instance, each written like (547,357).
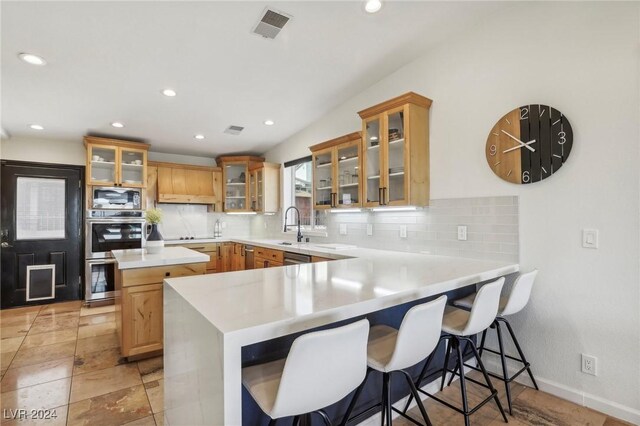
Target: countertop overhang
(139,258)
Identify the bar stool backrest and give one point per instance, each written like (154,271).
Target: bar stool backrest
(322,368)
(520,293)
(485,308)
(418,334)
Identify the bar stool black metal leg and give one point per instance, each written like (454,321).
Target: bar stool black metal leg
(482,340)
(414,394)
(455,370)
(352,404)
(386,377)
(385,383)
(423,373)
(272,422)
(324,416)
(503,360)
(296,421)
(522,357)
(446,362)
(488,380)
(463,385)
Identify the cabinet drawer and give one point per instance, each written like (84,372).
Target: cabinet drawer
(155,275)
(270,254)
(202,247)
(261,262)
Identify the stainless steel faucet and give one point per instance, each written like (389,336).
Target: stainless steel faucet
(299,236)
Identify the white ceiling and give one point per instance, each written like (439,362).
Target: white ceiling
(108,61)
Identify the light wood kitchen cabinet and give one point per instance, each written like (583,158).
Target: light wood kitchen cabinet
(337,181)
(225,257)
(264,188)
(395,152)
(114,162)
(238,257)
(267,258)
(315,259)
(236,186)
(185,184)
(211,250)
(151,193)
(139,311)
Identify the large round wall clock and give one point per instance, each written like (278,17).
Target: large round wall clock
(529,144)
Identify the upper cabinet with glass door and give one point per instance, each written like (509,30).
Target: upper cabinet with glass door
(396,152)
(265,188)
(337,181)
(236,182)
(113,162)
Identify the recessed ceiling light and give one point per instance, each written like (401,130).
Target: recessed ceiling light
(36,127)
(373,138)
(269,122)
(372,6)
(117,124)
(169,92)
(199,137)
(32,59)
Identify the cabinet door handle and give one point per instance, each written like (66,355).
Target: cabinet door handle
(266,263)
(218,249)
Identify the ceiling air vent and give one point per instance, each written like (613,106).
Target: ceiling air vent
(271,22)
(234,130)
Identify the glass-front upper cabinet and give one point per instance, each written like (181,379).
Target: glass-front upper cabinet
(259,176)
(242,177)
(236,187)
(337,177)
(265,188)
(396,152)
(253,188)
(112,162)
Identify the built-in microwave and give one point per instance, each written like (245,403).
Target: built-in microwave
(116,198)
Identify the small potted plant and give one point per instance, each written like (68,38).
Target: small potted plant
(155,242)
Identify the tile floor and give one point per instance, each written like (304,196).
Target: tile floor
(65,359)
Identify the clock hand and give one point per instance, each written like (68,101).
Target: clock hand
(519,141)
(526,145)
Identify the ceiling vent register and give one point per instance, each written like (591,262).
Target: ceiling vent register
(271,23)
(234,130)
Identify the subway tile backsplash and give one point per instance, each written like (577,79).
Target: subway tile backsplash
(492,227)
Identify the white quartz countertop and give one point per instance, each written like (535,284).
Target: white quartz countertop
(139,258)
(261,304)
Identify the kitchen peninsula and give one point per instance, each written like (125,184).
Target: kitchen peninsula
(211,320)
(139,295)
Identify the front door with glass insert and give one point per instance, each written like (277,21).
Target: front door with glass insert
(40,233)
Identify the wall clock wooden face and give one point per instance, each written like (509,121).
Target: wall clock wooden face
(529,144)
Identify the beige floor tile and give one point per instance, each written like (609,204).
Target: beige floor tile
(16,378)
(97,319)
(9,331)
(98,343)
(2,371)
(54,417)
(155,392)
(534,407)
(5,313)
(145,421)
(96,330)
(92,361)
(101,382)
(159,417)
(43,396)
(43,339)
(115,408)
(11,344)
(42,354)
(6,359)
(54,322)
(60,308)
(97,310)
(151,369)
(25,319)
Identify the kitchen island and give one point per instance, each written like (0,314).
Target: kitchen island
(211,319)
(139,294)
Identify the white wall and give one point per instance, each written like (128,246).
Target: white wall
(581,58)
(73,152)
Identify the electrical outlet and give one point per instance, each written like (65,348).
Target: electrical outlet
(590,364)
(369,229)
(462,232)
(343,229)
(403,231)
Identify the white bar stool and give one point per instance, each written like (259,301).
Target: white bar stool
(458,325)
(509,305)
(390,350)
(322,368)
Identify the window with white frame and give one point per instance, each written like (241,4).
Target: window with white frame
(298,192)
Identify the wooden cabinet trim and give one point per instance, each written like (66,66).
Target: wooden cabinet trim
(407,98)
(153,275)
(351,137)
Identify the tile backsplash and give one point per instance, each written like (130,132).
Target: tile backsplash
(492,227)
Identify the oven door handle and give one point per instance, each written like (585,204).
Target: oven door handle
(101,261)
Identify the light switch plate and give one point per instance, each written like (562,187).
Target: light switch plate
(462,232)
(403,231)
(590,238)
(343,229)
(369,229)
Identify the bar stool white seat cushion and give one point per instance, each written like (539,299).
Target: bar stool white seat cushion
(460,322)
(322,368)
(389,349)
(467,302)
